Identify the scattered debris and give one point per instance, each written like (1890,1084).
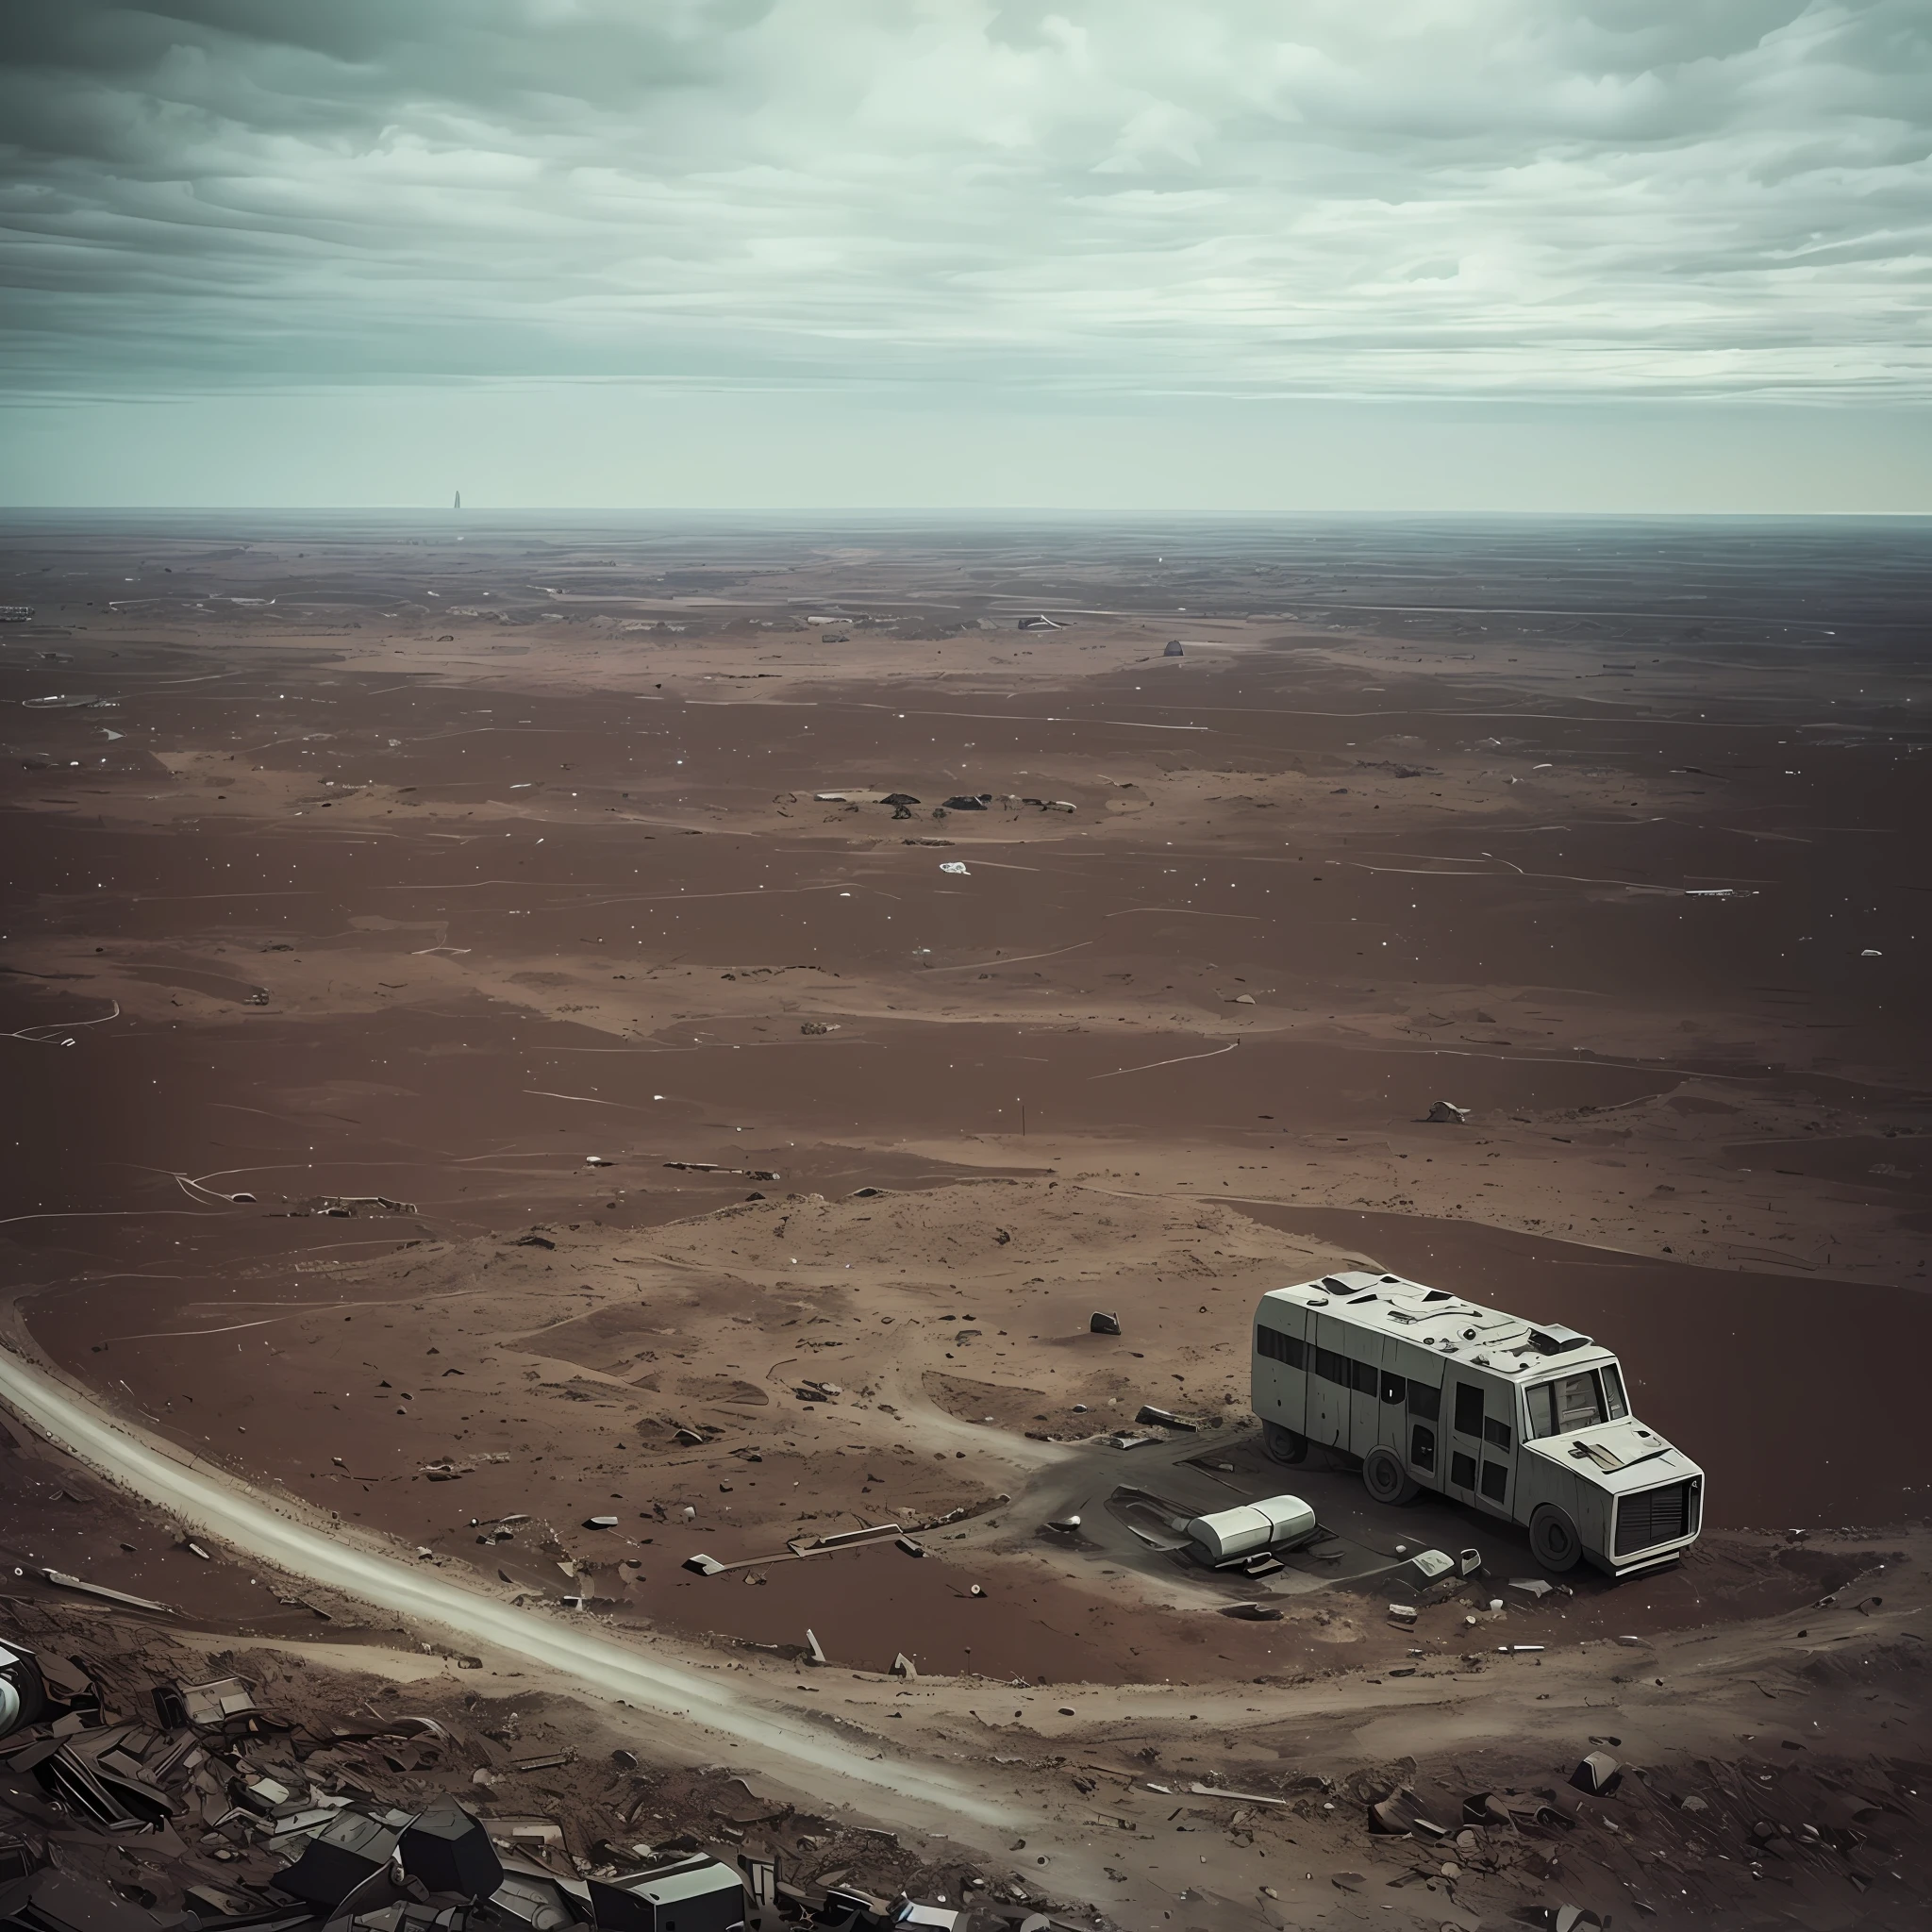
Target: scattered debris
(214,1704)
(956,866)
(1173,649)
(208,1810)
(1400,1815)
(445,1849)
(1599,1774)
(1446,1113)
(1165,1418)
(844,1538)
(343,1206)
(1530,1586)
(903,1666)
(62,1580)
(1103,1325)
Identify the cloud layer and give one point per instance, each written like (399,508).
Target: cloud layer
(1089,199)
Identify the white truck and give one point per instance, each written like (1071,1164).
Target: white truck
(1523,1420)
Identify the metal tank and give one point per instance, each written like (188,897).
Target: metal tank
(1269,1525)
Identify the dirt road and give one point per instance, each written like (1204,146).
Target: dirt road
(787,1747)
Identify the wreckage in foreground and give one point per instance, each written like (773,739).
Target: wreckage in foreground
(1523,1420)
(262,1824)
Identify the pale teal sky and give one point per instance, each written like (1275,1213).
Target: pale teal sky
(1231,255)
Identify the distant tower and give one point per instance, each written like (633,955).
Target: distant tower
(459,500)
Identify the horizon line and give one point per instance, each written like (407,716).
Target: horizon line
(906,510)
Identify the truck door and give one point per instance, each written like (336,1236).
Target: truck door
(1364,1397)
(1482,1441)
(1328,1387)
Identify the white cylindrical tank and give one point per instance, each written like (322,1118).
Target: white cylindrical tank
(1266,1525)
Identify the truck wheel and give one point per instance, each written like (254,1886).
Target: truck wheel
(1385,1478)
(1284,1445)
(1553,1538)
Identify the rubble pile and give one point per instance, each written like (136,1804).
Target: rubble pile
(137,1797)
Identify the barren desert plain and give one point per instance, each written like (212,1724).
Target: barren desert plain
(646,1097)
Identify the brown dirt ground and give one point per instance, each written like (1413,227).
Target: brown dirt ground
(576,897)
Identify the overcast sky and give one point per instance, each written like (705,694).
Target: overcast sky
(1293,252)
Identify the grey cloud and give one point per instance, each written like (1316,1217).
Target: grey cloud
(1100,196)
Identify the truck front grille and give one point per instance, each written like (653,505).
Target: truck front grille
(1650,1516)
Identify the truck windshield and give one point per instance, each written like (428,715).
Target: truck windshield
(1576,1401)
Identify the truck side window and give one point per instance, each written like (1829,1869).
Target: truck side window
(1462,1470)
(1393,1387)
(1469,1408)
(1495,1432)
(1361,1377)
(1496,1480)
(1424,1402)
(1278,1348)
(1421,1446)
(1614,1404)
(1331,1367)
